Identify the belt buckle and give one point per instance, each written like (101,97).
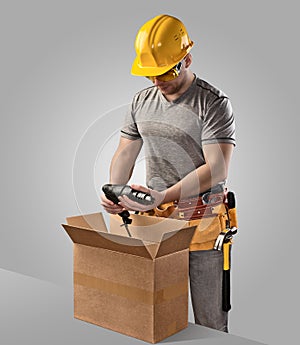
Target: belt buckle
(205,198)
(212,191)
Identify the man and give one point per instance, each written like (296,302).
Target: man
(187,128)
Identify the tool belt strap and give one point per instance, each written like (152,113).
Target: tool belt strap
(188,209)
(196,208)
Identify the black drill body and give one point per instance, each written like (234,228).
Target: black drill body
(113,191)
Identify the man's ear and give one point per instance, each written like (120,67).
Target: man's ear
(188,60)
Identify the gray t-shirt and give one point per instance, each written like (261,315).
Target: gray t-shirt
(173,133)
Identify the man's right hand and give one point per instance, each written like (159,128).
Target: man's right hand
(109,206)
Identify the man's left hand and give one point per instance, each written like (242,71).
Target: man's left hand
(130,205)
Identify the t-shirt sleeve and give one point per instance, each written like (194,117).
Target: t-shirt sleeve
(130,130)
(218,122)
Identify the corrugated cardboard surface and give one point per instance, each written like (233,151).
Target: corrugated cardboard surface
(146,228)
(122,285)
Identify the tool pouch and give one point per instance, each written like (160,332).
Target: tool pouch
(208,229)
(167,210)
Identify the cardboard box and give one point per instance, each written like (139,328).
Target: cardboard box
(135,285)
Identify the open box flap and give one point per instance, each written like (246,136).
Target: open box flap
(152,248)
(146,228)
(169,235)
(88,221)
(175,241)
(92,238)
(164,224)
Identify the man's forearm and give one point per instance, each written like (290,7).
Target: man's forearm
(120,170)
(198,181)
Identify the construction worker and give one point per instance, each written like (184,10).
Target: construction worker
(187,128)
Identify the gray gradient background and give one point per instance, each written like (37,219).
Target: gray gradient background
(64,83)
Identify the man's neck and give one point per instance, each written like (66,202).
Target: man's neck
(187,82)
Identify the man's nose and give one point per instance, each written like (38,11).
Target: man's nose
(157,82)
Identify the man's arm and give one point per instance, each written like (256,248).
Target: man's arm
(121,168)
(215,170)
(217,159)
(123,160)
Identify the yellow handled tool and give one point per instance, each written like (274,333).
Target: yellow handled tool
(224,242)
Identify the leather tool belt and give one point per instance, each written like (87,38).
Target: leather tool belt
(196,208)
(208,211)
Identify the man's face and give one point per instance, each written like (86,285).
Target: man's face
(171,87)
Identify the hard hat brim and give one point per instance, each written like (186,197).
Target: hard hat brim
(138,70)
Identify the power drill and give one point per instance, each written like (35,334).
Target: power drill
(113,191)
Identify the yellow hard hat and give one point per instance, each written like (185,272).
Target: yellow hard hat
(160,44)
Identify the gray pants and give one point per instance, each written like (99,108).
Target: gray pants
(206,274)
